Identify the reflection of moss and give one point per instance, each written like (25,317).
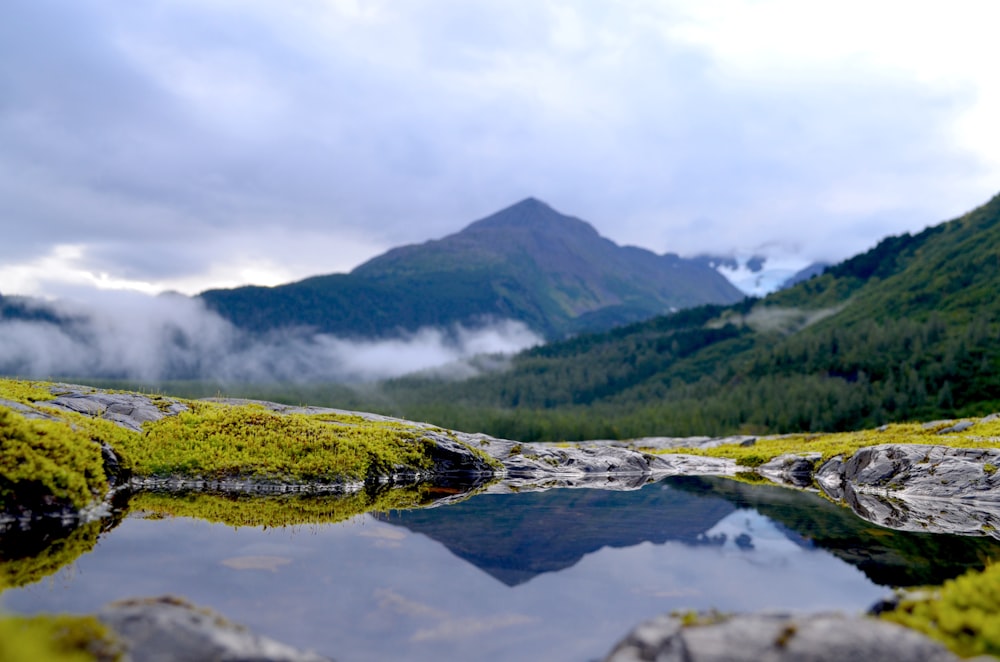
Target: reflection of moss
(280,510)
(964,613)
(59,638)
(750,478)
(47,463)
(847,443)
(40,557)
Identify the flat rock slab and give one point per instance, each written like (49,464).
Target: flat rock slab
(777,638)
(129,410)
(167,629)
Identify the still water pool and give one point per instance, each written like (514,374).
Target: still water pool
(556,575)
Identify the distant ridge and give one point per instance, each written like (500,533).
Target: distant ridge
(527,262)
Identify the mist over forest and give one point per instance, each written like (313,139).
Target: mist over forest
(131,336)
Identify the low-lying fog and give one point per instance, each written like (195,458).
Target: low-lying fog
(131,336)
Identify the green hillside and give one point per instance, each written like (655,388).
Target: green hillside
(908,330)
(527,262)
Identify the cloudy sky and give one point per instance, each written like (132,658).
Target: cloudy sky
(187,144)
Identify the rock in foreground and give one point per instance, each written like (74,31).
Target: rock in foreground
(167,629)
(776,638)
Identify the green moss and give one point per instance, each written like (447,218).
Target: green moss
(220,441)
(35,561)
(47,462)
(24,392)
(989,468)
(278,511)
(964,613)
(60,638)
(842,443)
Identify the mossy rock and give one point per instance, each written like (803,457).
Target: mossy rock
(53,464)
(47,466)
(964,613)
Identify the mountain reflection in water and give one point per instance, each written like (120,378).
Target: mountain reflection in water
(557,575)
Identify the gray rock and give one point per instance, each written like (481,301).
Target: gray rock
(534,460)
(920,470)
(453,457)
(659,466)
(795,469)
(25,410)
(934,425)
(129,410)
(776,638)
(961,426)
(169,629)
(591,463)
(928,488)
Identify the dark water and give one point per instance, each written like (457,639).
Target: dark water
(558,575)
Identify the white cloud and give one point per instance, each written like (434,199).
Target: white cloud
(950,47)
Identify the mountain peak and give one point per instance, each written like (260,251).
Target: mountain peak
(534,215)
(527,262)
(530,202)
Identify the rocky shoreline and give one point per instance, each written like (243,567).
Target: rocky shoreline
(912,487)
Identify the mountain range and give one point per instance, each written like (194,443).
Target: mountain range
(527,262)
(907,330)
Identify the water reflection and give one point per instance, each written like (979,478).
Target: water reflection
(556,575)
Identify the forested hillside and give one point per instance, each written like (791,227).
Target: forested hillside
(907,330)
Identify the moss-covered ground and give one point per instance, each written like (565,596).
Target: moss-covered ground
(981,435)
(25,392)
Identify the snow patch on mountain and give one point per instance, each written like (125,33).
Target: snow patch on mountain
(757,274)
